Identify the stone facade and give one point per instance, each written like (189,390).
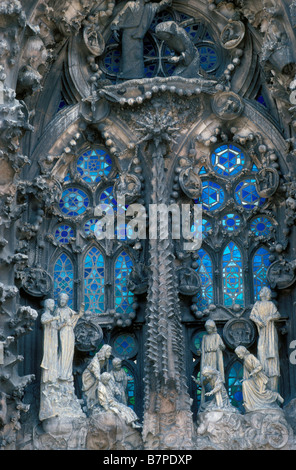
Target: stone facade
(178,103)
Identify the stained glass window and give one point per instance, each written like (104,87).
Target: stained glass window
(64,277)
(261,226)
(231,222)
(125,346)
(92,165)
(107,197)
(212,195)
(232,270)
(260,265)
(197,339)
(94,273)
(123,298)
(90,226)
(131,399)
(63,234)
(246,194)
(228,160)
(208,58)
(206,227)
(234,385)
(205,271)
(74,202)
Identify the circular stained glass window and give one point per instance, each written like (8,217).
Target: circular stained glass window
(227,160)
(92,165)
(246,194)
(63,233)
(231,222)
(125,346)
(90,226)
(74,202)
(261,226)
(212,196)
(197,340)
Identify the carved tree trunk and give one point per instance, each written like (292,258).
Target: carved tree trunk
(167,418)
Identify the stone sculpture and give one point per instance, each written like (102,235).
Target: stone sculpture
(212,348)
(188,59)
(256,395)
(264,314)
(67,323)
(120,379)
(134,20)
(107,400)
(92,373)
(49,363)
(221,400)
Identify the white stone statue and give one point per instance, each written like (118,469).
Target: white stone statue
(92,374)
(212,348)
(221,400)
(108,401)
(264,314)
(256,395)
(120,379)
(68,320)
(49,362)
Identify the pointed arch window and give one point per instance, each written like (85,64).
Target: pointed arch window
(260,265)
(64,277)
(232,272)
(123,298)
(205,270)
(94,280)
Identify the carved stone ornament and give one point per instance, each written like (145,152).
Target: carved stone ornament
(239,332)
(232,34)
(88,336)
(190,183)
(267,182)
(227,105)
(36,282)
(189,281)
(93,40)
(281,274)
(128,186)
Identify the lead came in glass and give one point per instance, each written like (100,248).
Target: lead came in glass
(260,265)
(246,194)
(63,234)
(92,165)
(74,202)
(212,196)
(261,226)
(228,160)
(123,298)
(94,273)
(232,276)
(63,277)
(205,271)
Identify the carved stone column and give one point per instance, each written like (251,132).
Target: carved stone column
(167,415)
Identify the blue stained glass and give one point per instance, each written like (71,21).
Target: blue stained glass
(228,160)
(261,226)
(107,197)
(212,195)
(74,202)
(123,298)
(64,277)
(131,398)
(202,171)
(112,61)
(246,194)
(206,227)
(205,271)
(231,222)
(92,165)
(94,273)
(233,288)
(260,265)
(63,233)
(208,58)
(90,226)
(235,386)
(124,346)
